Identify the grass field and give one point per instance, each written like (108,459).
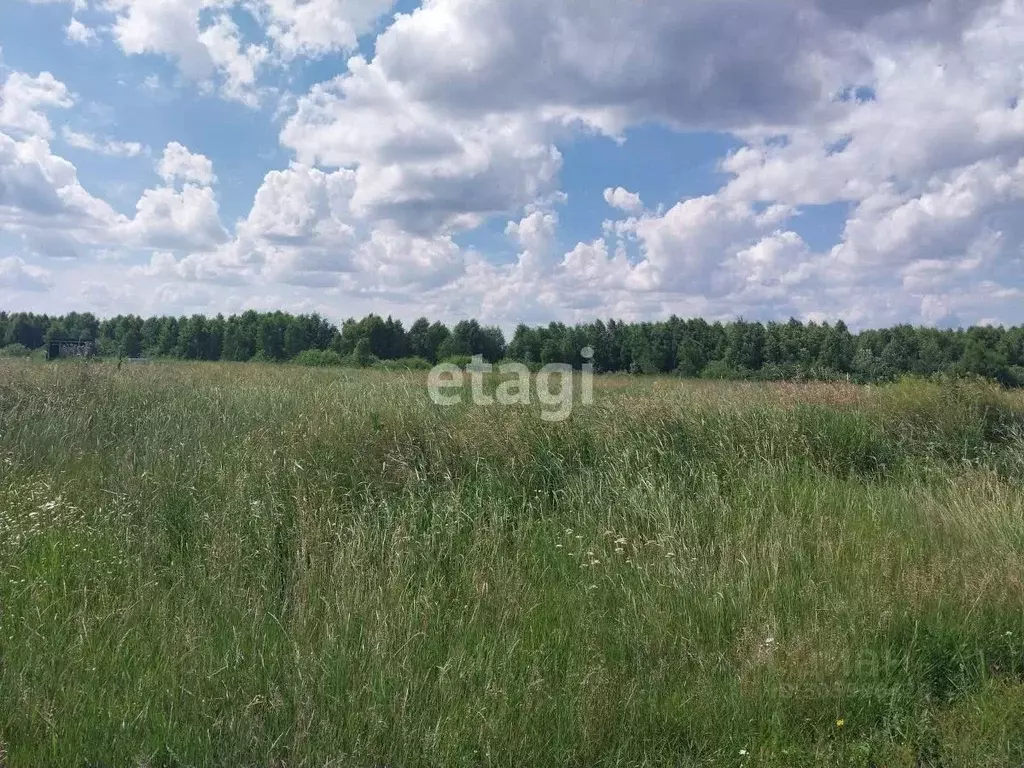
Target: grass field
(246,565)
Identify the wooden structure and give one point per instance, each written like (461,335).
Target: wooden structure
(57,348)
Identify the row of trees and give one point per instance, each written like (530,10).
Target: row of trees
(270,336)
(778,351)
(688,347)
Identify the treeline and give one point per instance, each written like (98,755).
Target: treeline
(255,336)
(694,348)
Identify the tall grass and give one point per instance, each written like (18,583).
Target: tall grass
(266,566)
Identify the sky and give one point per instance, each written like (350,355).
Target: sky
(526,161)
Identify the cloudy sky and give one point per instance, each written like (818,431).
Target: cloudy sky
(515,160)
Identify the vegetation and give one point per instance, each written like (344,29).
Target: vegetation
(15,350)
(690,348)
(279,566)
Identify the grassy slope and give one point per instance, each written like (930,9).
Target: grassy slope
(265,566)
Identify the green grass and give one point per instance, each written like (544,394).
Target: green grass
(252,565)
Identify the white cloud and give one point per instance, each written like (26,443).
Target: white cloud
(908,114)
(623,199)
(23,99)
(391,259)
(189,297)
(77,32)
(203,38)
(167,28)
(214,267)
(317,27)
(725,64)
(302,206)
(178,163)
(931,161)
(972,209)
(424,170)
(539,55)
(40,191)
(537,234)
(238,63)
(302,224)
(42,200)
(683,246)
(16,275)
(458,115)
(173,29)
(932,165)
(770,268)
(109,147)
(177,220)
(302,231)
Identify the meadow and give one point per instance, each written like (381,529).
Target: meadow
(273,566)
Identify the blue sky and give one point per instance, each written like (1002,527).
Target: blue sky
(532,162)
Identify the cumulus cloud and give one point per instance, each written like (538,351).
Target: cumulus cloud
(543,56)
(931,165)
(302,206)
(179,220)
(24,100)
(302,230)
(170,29)
(301,224)
(929,158)
(178,163)
(906,114)
(43,201)
(623,199)
(726,64)
(237,63)
(459,115)
(391,259)
(417,166)
(207,44)
(202,51)
(306,231)
(318,27)
(885,228)
(39,190)
(77,32)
